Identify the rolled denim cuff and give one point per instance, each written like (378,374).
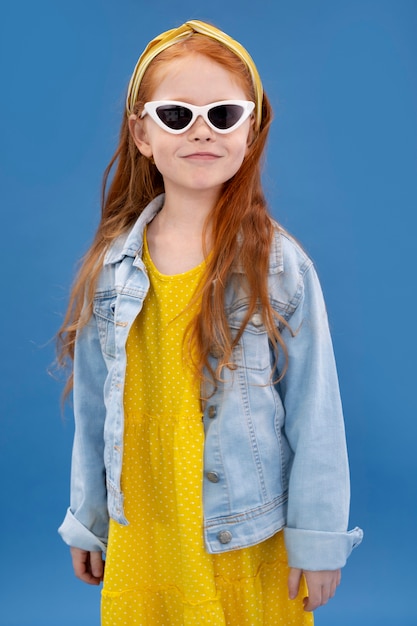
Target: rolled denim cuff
(315,550)
(78,536)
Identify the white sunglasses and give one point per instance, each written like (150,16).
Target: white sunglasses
(177,117)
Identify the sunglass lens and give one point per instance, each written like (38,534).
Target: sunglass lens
(225,116)
(174,116)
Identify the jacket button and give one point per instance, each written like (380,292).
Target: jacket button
(257,319)
(225,536)
(212,411)
(213,477)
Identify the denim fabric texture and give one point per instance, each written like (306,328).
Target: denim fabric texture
(275,453)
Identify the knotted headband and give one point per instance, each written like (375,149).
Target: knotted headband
(171,37)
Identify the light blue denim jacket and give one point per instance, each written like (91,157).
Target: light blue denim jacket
(275,453)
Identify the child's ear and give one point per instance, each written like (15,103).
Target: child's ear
(138,132)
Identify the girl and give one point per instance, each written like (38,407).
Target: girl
(207,411)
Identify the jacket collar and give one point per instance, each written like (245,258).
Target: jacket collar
(131,243)
(276,261)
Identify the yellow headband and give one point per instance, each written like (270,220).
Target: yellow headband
(170,37)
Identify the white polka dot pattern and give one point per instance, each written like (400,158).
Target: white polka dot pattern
(157,570)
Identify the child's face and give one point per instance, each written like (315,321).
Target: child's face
(200,159)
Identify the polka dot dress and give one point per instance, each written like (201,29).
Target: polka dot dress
(157,570)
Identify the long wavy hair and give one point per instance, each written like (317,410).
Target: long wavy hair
(240,223)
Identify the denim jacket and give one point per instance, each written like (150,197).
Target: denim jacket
(275,453)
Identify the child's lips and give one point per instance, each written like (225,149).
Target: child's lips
(202,156)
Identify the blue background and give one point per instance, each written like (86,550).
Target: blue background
(340,174)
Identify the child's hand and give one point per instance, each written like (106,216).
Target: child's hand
(88,566)
(321,586)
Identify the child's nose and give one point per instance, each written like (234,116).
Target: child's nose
(200,129)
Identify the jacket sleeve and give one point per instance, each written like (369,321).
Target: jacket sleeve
(318,506)
(86,523)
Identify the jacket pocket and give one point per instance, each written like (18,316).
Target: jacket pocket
(253,351)
(104,314)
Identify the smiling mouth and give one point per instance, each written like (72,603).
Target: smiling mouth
(202,155)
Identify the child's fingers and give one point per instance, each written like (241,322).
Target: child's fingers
(97,565)
(82,564)
(294,580)
(321,587)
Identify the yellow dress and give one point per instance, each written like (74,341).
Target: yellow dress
(157,571)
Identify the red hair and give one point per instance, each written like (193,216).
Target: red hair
(241,226)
